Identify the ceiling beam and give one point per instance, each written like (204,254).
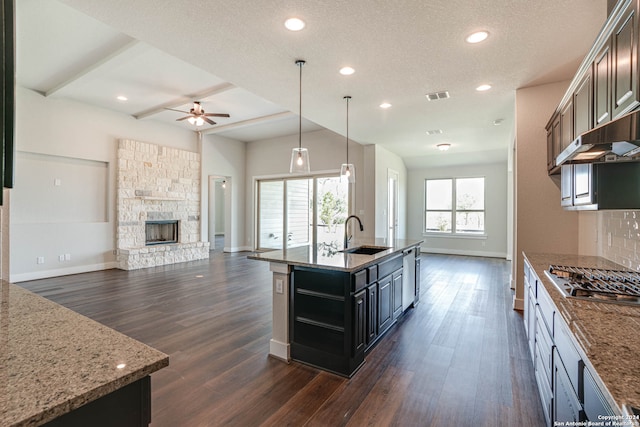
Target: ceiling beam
(248,122)
(85,69)
(176,102)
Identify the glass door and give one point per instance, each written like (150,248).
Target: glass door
(301,211)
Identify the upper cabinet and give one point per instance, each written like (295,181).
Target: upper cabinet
(602,85)
(624,55)
(605,86)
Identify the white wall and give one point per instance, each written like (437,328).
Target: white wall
(495,244)
(77,132)
(226,157)
(271,157)
(385,161)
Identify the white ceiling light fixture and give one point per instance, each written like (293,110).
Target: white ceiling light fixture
(122,98)
(347,71)
(348,170)
(385,105)
(483,88)
(477,37)
(443,147)
(294,24)
(300,156)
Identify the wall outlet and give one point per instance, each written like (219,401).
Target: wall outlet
(609,239)
(60,257)
(40,260)
(67,257)
(57,182)
(279,286)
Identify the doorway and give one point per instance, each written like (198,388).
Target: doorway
(218,224)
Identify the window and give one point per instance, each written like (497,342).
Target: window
(465,216)
(298,211)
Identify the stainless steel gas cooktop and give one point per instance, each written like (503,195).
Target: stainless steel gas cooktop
(617,286)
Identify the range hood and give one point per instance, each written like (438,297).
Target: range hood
(620,137)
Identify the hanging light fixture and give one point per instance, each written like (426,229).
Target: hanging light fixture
(300,156)
(348,170)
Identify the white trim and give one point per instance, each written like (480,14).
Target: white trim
(238,249)
(518,303)
(279,350)
(463,252)
(455,236)
(44,274)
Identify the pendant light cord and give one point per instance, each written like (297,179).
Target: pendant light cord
(347,98)
(300,64)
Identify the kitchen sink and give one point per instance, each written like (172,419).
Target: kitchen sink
(365,250)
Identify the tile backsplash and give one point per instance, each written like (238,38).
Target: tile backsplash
(621,237)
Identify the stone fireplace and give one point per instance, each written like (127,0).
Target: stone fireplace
(158,192)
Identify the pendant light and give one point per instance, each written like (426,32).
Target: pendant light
(348,170)
(300,156)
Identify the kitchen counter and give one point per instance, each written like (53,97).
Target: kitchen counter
(53,360)
(329,257)
(608,334)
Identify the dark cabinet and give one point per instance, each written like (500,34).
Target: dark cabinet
(385,303)
(602,85)
(582,105)
(397,293)
(554,144)
(360,321)
(624,56)
(372,313)
(566,125)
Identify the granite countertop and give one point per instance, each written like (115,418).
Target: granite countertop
(329,257)
(53,360)
(607,334)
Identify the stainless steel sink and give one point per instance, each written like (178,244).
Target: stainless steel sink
(365,250)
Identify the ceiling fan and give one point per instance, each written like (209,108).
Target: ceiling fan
(197,116)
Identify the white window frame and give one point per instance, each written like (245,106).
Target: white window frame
(454,211)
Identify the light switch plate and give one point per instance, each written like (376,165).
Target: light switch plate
(279,286)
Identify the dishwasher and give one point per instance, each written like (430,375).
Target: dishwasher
(408,277)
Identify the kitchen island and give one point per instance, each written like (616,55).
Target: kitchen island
(58,367)
(595,369)
(331,306)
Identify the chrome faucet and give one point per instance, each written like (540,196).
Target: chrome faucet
(346,226)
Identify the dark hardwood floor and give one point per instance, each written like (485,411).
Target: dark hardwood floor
(458,359)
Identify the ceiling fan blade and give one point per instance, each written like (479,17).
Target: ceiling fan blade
(182,118)
(211,122)
(216,115)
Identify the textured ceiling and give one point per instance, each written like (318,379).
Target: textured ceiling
(400,50)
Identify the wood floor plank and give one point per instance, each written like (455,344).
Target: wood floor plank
(460,358)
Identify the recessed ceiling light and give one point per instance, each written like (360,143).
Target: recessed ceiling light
(294,24)
(122,98)
(385,105)
(443,147)
(477,37)
(482,88)
(347,71)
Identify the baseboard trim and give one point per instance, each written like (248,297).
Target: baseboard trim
(23,277)
(463,252)
(237,249)
(279,350)
(518,303)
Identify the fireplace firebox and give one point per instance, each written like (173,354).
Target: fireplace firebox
(161,232)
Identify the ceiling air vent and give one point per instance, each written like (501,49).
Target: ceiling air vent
(434,132)
(437,95)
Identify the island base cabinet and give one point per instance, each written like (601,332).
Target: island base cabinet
(129,406)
